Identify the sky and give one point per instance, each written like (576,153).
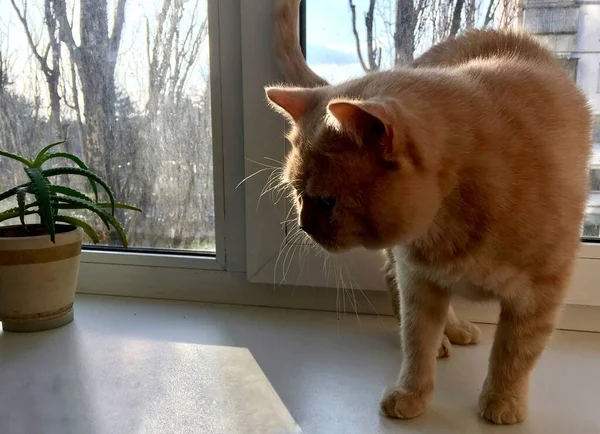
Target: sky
(331,46)
(331,49)
(131,72)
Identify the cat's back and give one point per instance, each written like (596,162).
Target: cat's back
(485,44)
(530,105)
(527,134)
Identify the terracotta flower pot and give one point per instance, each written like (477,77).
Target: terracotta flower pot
(38,278)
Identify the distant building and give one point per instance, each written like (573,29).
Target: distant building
(572,30)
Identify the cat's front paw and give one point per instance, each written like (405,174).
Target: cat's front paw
(463,333)
(402,404)
(502,408)
(445,348)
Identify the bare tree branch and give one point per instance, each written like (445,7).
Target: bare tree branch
(186,56)
(490,13)
(456,17)
(66,31)
(51,73)
(119,21)
(470,13)
(172,53)
(372,51)
(357,37)
(510,11)
(155,78)
(3,73)
(34,47)
(77,106)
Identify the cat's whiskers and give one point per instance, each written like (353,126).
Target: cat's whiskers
(294,246)
(287,246)
(253,175)
(357,287)
(298,245)
(273,183)
(269,166)
(282,248)
(303,254)
(276,187)
(351,297)
(274,160)
(285,222)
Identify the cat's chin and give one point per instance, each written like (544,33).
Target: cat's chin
(334,249)
(371,246)
(377,246)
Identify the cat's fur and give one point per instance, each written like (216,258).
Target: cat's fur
(297,72)
(470,168)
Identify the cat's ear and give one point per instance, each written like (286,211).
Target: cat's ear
(292,102)
(368,122)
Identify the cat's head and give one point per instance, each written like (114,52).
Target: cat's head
(363,171)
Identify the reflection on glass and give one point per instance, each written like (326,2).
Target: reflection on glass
(126,83)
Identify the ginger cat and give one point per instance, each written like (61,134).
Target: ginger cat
(469,167)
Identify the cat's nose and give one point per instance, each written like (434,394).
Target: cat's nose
(306,225)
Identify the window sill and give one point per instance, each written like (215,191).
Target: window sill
(131,365)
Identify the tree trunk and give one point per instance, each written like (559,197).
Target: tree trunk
(96,71)
(404,36)
(456,17)
(3,74)
(52,81)
(53,74)
(371,48)
(470,12)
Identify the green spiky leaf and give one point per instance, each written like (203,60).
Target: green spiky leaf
(38,159)
(118,205)
(42,195)
(122,234)
(21,196)
(18,158)
(77,161)
(11,192)
(13,213)
(89,230)
(86,173)
(108,219)
(64,202)
(59,189)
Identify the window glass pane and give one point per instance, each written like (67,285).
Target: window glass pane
(345,47)
(126,83)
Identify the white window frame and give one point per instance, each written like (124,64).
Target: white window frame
(249,236)
(228,167)
(266,237)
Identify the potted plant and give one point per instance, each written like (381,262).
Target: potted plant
(39,263)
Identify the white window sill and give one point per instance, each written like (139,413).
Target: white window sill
(131,366)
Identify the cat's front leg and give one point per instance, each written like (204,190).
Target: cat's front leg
(423,308)
(521,336)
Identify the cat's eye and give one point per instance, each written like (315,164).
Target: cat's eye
(327,202)
(324,203)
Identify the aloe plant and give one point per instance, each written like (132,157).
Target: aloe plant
(40,196)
